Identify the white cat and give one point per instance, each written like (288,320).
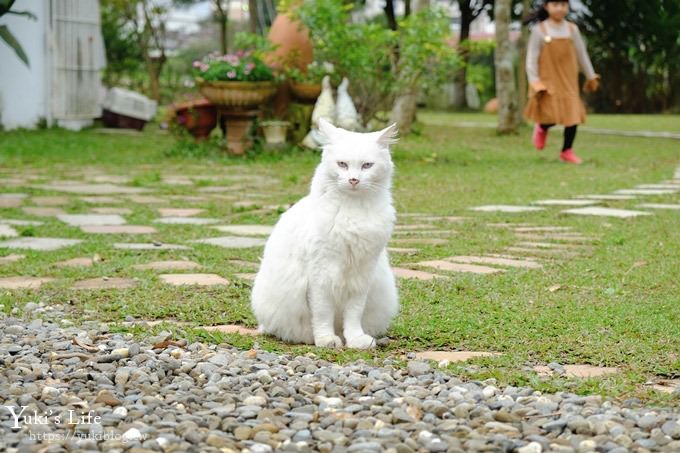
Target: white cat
(325,275)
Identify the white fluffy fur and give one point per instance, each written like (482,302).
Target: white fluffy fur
(325,277)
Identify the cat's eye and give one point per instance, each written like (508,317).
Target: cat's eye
(366,165)
(343,165)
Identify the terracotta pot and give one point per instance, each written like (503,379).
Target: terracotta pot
(238,94)
(307,92)
(291,37)
(275,131)
(198,117)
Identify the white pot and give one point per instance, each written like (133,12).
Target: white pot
(275,131)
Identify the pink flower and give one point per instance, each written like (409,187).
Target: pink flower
(197,64)
(231,74)
(250,66)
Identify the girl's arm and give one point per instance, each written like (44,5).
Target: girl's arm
(533,52)
(582,54)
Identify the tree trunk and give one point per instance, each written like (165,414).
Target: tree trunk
(407,8)
(404,110)
(505,75)
(389,12)
(460,77)
(522,83)
(252,9)
(222,16)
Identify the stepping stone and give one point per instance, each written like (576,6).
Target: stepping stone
(92,219)
(547,245)
(521,263)
(645,192)
(76,262)
(105,283)
(606,212)
(186,221)
(12,258)
(412,214)
(115,179)
(190,198)
(419,241)
(667,386)
(453,356)
(143,199)
(509,225)
(411,274)
(109,210)
(565,202)
(541,252)
(417,226)
(659,206)
(101,200)
(506,208)
(244,263)
(673,187)
(233,242)
(23,282)
(453,219)
(193,279)
(245,204)
(50,201)
(219,189)
(92,189)
(8,231)
(149,246)
(609,197)
(555,237)
(167,266)
(178,181)
(547,229)
(407,251)
(232,328)
(44,212)
(246,276)
(423,232)
(20,222)
(11,202)
(13,196)
(118,229)
(179,212)
(458,267)
(579,371)
(43,244)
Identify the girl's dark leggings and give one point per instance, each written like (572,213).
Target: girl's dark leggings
(569,135)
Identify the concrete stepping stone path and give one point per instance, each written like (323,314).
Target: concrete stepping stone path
(459,267)
(50,201)
(179,212)
(145,199)
(423,232)
(554,237)
(193,279)
(667,386)
(415,226)
(606,212)
(42,244)
(76,262)
(578,371)
(498,261)
(564,202)
(7,231)
(101,200)
(233,242)
(11,200)
(167,266)
(537,252)
(16,222)
(406,251)
(541,229)
(453,356)
(609,197)
(413,274)
(92,189)
(23,282)
(506,208)
(118,229)
(419,241)
(92,219)
(111,210)
(149,246)
(232,328)
(673,187)
(246,276)
(114,179)
(548,245)
(186,221)
(11,258)
(645,192)
(44,212)
(105,283)
(659,206)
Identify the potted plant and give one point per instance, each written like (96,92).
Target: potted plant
(198,116)
(274,131)
(241,79)
(306,85)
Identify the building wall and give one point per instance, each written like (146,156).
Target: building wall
(23,97)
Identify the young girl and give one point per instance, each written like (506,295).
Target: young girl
(556,51)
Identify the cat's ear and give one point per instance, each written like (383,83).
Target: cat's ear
(388,136)
(328,131)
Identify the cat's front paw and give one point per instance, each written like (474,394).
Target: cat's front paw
(361,342)
(331,341)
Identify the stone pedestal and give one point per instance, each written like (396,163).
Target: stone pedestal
(236,125)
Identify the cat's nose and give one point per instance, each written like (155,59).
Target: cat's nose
(354,181)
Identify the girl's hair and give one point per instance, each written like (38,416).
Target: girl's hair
(540,14)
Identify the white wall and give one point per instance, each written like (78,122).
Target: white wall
(23,100)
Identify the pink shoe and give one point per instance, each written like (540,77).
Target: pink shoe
(569,157)
(540,136)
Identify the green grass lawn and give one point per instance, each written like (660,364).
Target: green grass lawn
(618,304)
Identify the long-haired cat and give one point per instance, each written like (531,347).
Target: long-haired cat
(325,277)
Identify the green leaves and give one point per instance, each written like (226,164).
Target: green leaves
(11,41)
